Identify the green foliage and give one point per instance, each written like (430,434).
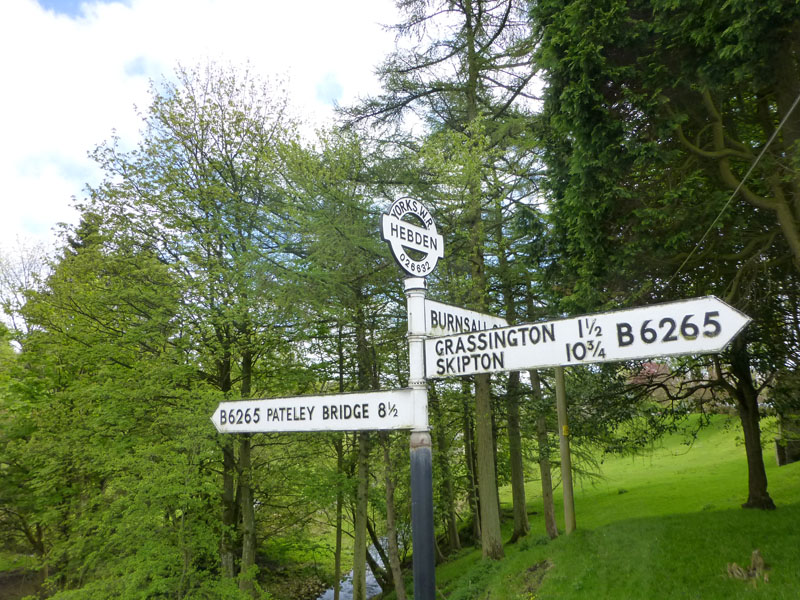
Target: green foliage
(212,258)
(111,451)
(160,305)
(473,586)
(634,172)
(223,258)
(662,185)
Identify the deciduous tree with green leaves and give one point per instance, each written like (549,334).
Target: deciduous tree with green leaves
(348,287)
(672,162)
(201,191)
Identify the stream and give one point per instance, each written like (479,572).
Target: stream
(346,585)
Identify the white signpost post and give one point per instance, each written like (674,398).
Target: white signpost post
(417,247)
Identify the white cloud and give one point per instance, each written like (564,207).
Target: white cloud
(70,82)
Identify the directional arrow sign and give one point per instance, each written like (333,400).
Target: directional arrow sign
(445,319)
(698,326)
(359,411)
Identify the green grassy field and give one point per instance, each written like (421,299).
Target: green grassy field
(663,525)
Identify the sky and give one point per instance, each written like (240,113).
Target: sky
(76,72)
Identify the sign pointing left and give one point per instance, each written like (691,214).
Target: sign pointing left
(359,411)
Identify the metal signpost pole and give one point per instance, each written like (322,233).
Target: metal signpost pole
(422,530)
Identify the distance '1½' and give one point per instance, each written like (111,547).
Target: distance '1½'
(668,329)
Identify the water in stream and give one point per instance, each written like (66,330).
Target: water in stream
(346,585)
(346,588)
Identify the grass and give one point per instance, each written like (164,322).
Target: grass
(664,525)
(10,561)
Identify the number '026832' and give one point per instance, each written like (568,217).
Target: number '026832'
(423,268)
(239,416)
(670,330)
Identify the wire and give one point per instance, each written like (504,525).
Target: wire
(736,191)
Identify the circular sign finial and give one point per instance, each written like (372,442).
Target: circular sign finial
(416,248)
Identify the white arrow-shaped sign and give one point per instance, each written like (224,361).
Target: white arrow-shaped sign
(359,411)
(446,319)
(697,326)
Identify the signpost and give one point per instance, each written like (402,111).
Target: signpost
(446,341)
(697,326)
(417,248)
(446,319)
(358,411)
(422,527)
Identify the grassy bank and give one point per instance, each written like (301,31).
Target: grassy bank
(664,525)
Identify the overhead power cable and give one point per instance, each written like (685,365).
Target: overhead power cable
(736,191)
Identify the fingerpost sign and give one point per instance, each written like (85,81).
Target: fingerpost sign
(416,246)
(696,326)
(446,341)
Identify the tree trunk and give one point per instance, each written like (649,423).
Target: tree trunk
(447,493)
(491,538)
(440,557)
(521,525)
(227,543)
(543,444)
(391,525)
(491,541)
(380,568)
(337,558)
(230,517)
(513,390)
(380,574)
(338,444)
(494,459)
(746,397)
(469,457)
(247,568)
(360,521)
(248,563)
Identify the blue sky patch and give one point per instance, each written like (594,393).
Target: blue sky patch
(65,166)
(137,66)
(329,90)
(70,8)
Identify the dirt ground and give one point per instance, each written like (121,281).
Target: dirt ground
(18,584)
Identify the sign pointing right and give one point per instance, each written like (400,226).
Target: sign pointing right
(697,326)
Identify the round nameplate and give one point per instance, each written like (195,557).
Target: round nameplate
(416,246)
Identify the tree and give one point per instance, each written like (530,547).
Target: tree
(201,192)
(472,67)
(21,269)
(657,111)
(111,448)
(343,260)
